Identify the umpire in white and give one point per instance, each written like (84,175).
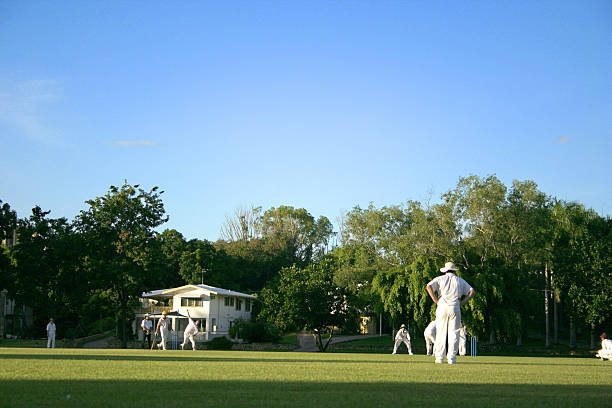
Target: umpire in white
(452,293)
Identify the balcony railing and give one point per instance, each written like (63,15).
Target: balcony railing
(152,309)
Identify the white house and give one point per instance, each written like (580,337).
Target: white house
(215,308)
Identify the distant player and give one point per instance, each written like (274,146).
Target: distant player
(147,326)
(190,331)
(462,339)
(402,336)
(430,337)
(162,328)
(606,348)
(51,334)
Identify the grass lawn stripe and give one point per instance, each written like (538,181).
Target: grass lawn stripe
(41,377)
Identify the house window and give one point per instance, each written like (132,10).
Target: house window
(202,325)
(227,301)
(238,304)
(191,302)
(213,297)
(247,305)
(213,324)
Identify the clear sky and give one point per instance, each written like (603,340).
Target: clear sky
(316,104)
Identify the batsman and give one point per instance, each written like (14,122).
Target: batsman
(162,329)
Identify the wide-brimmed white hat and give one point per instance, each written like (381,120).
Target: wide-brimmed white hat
(449,266)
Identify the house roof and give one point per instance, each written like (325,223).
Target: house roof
(190,288)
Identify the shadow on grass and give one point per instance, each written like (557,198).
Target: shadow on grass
(245,358)
(160,357)
(294,394)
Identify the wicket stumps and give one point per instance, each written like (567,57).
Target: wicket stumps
(473,346)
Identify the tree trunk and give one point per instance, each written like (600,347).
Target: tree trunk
(546,305)
(572,341)
(556,316)
(592,339)
(322,347)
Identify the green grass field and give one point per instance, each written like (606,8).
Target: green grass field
(136,378)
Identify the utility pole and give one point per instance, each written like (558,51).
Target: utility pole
(546,305)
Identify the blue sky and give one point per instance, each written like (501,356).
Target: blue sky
(316,104)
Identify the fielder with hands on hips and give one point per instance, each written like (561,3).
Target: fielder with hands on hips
(453,292)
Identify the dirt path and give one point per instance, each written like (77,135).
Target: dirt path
(334,340)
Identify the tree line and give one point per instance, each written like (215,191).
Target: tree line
(541,266)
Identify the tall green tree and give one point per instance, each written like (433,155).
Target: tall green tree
(306,297)
(582,264)
(8,224)
(48,276)
(295,234)
(118,230)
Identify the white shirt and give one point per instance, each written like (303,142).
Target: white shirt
(430,330)
(191,328)
(402,334)
(606,344)
(50,327)
(146,324)
(451,288)
(163,323)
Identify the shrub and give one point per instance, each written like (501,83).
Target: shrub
(219,343)
(255,332)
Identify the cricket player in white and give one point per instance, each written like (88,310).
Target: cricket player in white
(450,289)
(146,326)
(51,334)
(162,328)
(402,336)
(430,337)
(606,348)
(462,339)
(190,331)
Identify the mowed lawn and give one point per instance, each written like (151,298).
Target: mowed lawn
(139,378)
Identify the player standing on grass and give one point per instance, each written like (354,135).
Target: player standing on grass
(162,328)
(402,336)
(430,337)
(146,326)
(462,339)
(451,289)
(51,334)
(190,331)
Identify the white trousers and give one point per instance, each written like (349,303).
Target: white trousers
(399,342)
(448,319)
(604,354)
(51,340)
(163,333)
(429,342)
(462,341)
(190,337)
